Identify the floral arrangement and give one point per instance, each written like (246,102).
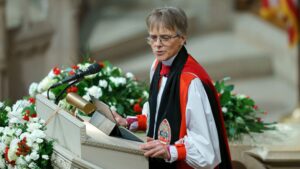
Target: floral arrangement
(241,114)
(23,142)
(122,92)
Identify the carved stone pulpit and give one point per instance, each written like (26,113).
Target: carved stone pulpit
(88,146)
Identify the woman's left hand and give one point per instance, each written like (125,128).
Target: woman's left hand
(155,148)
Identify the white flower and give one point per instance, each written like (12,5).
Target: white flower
(113,108)
(129,75)
(87,97)
(118,81)
(12,150)
(38,140)
(46,157)
(64,104)
(1,104)
(14,120)
(35,147)
(8,109)
(32,165)
(2,148)
(92,76)
(224,109)
(84,67)
(51,74)
(103,83)
(145,94)
(34,155)
(20,105)
(25,134)
(107,70)
(8,131)
(95,91)
(21,161)
(28,158)
(18,132)
(34,126)
(109,89)
(45,84)
(38,134)
(241,96)
(2,162)
(131,101)
(33,89)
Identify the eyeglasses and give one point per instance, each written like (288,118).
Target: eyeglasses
(162,38)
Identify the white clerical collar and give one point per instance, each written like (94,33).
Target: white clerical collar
(169,61)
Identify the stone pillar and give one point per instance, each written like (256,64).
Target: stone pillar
(3,53)
(63,16)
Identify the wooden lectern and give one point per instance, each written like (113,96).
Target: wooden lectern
(86,142)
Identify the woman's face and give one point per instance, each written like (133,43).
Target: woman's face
(165,43)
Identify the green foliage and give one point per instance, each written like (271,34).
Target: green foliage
(3,114)
(120,91)
(241,114)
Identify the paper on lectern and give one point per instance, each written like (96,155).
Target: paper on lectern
(104,120)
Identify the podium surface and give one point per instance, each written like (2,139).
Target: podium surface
(87,142)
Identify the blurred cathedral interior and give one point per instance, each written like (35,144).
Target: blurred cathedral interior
(230,38)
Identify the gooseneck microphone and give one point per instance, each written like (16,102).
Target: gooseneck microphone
(92,69)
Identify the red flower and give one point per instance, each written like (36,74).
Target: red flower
(137,108)
(72,89)
(219,95)
(31,100)
(56,71)
(255,107)
(101,64)
(23,148)
(75,67)
(71,73)
(6,154)
(33,115)
(27,112)
(259,119)
(26,117)
(6,157)
(140,100)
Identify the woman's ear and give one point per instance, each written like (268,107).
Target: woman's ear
(183,40)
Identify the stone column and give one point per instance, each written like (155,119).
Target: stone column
(63,16)
(3,53)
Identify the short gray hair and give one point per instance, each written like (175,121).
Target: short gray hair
(171,18)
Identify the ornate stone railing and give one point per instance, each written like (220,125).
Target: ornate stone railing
(277,149)
(64,159)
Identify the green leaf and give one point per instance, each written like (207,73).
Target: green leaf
(239,120)
(120,109)
(225,97)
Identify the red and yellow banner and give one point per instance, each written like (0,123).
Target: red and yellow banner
(286,12)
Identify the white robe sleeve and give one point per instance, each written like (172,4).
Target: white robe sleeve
(201,141)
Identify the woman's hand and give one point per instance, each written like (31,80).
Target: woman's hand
(154,148)
(120,120)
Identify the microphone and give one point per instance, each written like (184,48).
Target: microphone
(92,69)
